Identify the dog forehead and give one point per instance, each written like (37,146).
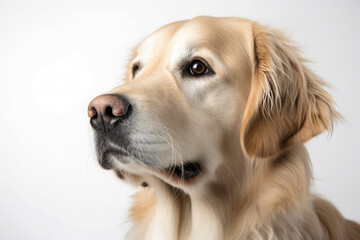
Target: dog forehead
(177,37)
(217,38)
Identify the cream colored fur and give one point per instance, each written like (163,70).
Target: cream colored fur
(247,124)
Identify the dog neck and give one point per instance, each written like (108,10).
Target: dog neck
(168,213)
(230,208)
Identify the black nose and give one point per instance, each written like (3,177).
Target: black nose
(105,111)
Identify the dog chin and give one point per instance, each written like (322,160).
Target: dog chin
(121,162)
(108,158)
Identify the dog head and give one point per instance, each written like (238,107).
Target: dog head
(205,94)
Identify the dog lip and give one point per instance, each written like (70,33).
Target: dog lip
(187,171)
(106,159)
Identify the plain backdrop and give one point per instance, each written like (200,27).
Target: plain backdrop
(55,56)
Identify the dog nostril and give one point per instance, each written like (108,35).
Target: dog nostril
(92,112)
(109,111)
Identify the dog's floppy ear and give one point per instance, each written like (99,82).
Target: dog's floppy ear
(287,104)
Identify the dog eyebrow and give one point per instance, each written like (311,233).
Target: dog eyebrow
(183,62)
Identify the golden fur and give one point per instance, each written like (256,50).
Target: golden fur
(248,123)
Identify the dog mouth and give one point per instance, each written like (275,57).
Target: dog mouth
(187,171)
(108,153)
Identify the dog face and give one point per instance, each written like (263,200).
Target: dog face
(205,94)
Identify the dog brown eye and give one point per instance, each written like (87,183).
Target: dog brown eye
(198,68)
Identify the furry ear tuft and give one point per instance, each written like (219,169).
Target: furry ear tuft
(287,104)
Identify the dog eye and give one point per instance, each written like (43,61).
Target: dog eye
(135,69)
(198,68)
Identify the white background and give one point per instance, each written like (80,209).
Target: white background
(55,56)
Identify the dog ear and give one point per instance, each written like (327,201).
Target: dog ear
(287,104)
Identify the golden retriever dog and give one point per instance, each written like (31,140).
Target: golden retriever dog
(212,122)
